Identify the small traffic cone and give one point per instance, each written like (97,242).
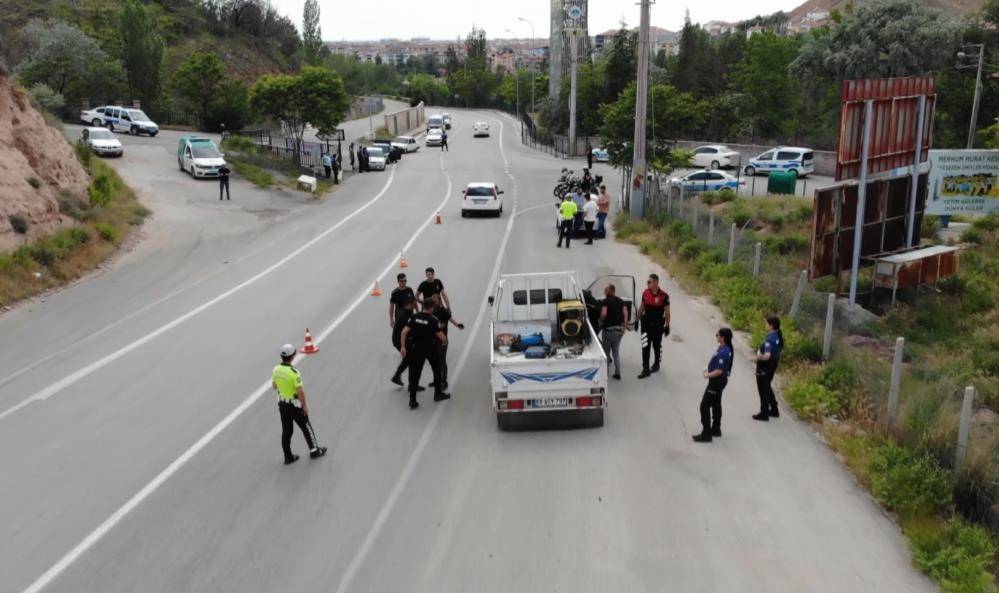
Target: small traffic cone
(438,219)
(310,347)
(402,261)
(376,292)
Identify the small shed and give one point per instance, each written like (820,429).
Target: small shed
(926,265)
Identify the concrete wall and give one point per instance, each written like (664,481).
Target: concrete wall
(825,160)
(405,120)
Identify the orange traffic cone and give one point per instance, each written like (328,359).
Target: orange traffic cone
(438,219)
(309,348)
(402,261)
(376,291)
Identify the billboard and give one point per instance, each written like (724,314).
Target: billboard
(883,229)
(895,126)
(963,182)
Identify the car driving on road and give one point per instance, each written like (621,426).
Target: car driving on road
(714,156)
(112,117)
(102,142)
(435,137)
(710,180)
(199,156)
(393,152)
(377,158)
(447,120)
(406,143)
(600,155)
(480,128)
(435,122)
(482,197)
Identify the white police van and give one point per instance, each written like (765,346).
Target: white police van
(794,159)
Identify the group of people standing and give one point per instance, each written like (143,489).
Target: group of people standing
(581,210)
(419,322)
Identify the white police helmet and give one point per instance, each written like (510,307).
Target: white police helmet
(288,350)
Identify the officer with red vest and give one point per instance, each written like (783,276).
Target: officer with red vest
(654,316)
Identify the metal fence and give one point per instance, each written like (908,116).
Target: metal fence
(310,153)
(529,137)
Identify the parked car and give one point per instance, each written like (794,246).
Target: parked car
(600,155)
(102,142)
(715,156)
(482,197)
(793,159)
(376,158)
(435,137)
(710,180)
(199,157)
(480,128)
(394,152)
(447,120)
(406,143)
(112,117)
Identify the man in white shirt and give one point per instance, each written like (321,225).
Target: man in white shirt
(589,217)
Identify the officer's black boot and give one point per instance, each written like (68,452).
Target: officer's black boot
(441,396)
(763,416)
(704,437)
(413,404)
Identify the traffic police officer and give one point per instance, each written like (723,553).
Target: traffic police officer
(421,340)
(767,358)
(444,318)
(717,373)
(567,210)
(655,317)
(287,381)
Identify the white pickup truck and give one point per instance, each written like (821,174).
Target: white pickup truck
(547,364)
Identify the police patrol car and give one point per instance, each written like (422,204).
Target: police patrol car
(710,180)
(792,159)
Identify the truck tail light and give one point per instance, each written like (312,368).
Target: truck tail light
(512,404)
(589,401)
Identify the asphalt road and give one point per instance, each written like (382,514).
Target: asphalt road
(139,443)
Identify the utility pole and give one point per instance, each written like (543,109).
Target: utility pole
(638,168)
(978,95)
(573,47)
(520,18)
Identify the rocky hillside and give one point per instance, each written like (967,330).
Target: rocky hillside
(952,7)
(38,167)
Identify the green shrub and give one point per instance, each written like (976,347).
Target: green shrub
(837,375)
(690,249)
(958,556)
(929,227)
(785,244)
(43,253)
(812,400)
(18,223)
(239,144)
(679,230)
(83,154)
(801,347)
(907,483)
(253,173)
(972,235)
(740,214)
(107,232)
(102,189)
(711,198)
(978,293)
(988,223)
(709,257)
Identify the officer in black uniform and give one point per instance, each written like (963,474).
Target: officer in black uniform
(655,316)
(421,340)
(444,317)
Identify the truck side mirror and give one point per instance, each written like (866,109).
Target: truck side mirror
(490,300)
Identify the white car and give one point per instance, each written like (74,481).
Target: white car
(715,156)
(199,157)
(112,117)
(480,128)
(376,158)
(447,120)
(482,197)
(793,159)
(710,180)
(435,137)
(435,122)
(102,142)
(406,143)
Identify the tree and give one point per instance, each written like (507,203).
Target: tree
(426,88)
(764,85)
(65,59)
(198,81)
(313,47)
(622,63)
(313,96)
(142,51)
(232,108)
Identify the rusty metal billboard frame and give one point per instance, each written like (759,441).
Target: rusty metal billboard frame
(885,226)
(895,107)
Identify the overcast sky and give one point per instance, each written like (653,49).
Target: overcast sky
(447,19)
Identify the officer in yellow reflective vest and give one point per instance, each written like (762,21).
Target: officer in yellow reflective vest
(567,213)
(287,381)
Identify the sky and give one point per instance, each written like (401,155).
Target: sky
(448,19)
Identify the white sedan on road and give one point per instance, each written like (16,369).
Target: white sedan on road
(480,128)
(406,143)
(482,197)
(102,142)
(710,180)
(435,137)
(715,156)
(376,158)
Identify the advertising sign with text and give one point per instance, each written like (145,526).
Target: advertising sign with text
(963,182)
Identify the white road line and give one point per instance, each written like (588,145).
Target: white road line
(68,380)
(104,528)
(414,457)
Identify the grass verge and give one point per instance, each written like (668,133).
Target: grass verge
(265,169)
(103,219)
(945,513)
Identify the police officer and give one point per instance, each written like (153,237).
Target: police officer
(614,319)
(400,319)
(224,172)
(444,318)
(717,373)
(767,358)
(655,317)
(294,408)
(567,212)
(400,295)
(421,340)
(433,286)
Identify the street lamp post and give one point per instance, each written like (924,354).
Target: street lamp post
(520,18)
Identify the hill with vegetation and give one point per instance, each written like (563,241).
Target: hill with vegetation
(950,7)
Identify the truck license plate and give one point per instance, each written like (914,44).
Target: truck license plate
(550,402)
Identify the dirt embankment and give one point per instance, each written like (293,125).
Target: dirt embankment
(37,166)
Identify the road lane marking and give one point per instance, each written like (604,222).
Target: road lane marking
(414,457)
(104,528)
(68,380)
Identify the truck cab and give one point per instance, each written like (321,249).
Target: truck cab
(547,367)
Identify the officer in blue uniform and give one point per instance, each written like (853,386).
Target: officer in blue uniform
(717,373)
(767,358)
